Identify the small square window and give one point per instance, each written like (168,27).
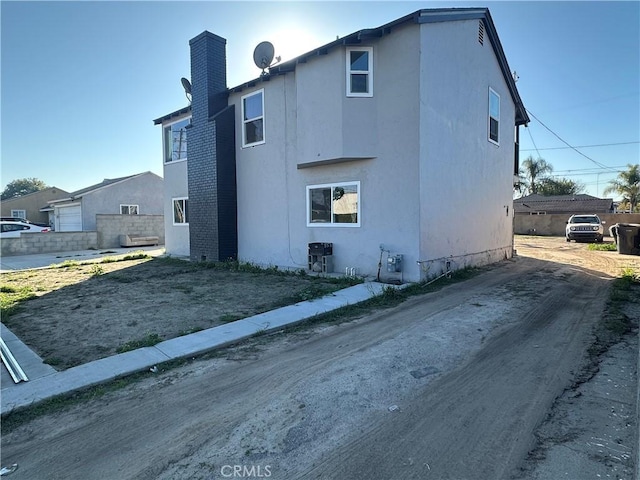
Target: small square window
(359,72)
(19,213)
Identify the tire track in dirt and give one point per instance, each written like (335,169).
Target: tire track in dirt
(318,406)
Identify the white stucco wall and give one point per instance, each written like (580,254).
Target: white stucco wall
(467,190)
(431,184)
(322,123)
(175,186)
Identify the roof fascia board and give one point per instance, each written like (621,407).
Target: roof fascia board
(169,116)
(102,187)
(419,17)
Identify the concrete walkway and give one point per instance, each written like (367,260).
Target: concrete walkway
(44,382)
(24,262)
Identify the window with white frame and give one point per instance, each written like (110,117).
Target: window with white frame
(494,117)
(360,72)
(253,119)
(175,140)
(335,204)
(129,209)
(181,211)
(19,213)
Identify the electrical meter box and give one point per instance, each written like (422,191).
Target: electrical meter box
(394,263)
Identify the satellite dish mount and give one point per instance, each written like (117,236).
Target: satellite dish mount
(186,84)
(263,56)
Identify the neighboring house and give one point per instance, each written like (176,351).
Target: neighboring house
(28,206)
(564,204)
(140,194)
(400,139)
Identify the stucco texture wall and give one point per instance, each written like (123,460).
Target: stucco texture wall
(466,180)
(145,190)
(175,186)
(308,120)
(431,183)
(32,203)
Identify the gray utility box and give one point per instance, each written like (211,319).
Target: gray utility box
(321,257)
(394,263)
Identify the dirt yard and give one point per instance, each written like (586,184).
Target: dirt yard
(83,312)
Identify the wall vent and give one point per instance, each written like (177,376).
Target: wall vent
(481,32)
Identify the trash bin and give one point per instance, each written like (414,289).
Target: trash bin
(628,238)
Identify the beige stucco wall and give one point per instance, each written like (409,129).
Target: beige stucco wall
(32,203)
(554,225)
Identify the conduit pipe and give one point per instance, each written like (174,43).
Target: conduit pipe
(13,367)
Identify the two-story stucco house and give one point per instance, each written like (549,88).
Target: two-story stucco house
(396,140)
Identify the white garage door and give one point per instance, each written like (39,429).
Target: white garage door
(69,219)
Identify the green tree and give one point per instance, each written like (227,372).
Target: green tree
(22,186)
(559,186)
(533,172)
(627,185)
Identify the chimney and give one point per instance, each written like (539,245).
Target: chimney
(211,169)
(208,75)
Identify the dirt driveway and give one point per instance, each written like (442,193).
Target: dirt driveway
(448,385)
(556,249)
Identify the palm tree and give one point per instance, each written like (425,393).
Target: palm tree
(533,171)
(627,185)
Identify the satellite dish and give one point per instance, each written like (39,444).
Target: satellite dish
(263,55)
(186,84)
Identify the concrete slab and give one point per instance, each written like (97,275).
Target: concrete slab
(29,361)
(42,260)
(79,377)
(206,340)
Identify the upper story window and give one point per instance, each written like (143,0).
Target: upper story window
(180,211)
(494,117)
(335,204)
(360,72)
(175,141)
(129,209)
(253,119)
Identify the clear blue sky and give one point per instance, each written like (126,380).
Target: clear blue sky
(82,81)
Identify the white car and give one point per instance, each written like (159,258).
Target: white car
(15,229)
(584,228)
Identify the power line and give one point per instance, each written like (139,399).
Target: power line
(534,143)
(591,170)
(579,146)
(568,144)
